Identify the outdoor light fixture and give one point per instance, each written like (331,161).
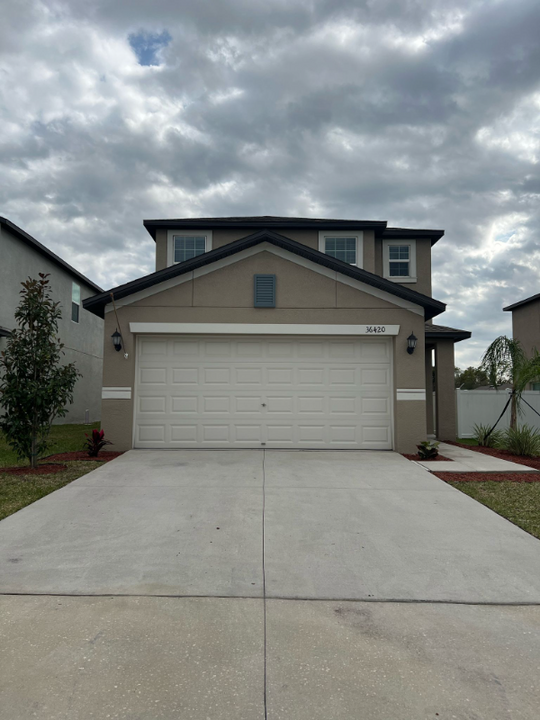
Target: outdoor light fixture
(117,340)
(411,343)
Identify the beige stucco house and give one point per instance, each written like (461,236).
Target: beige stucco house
(279,333)
(526,326)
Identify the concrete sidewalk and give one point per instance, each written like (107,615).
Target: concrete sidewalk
(463,460)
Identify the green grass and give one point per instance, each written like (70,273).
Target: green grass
(467,441)
(64,438)
(518,502)
(17,491)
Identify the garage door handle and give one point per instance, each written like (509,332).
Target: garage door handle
(264,404)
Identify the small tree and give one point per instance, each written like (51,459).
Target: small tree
(34,386)
(505,362)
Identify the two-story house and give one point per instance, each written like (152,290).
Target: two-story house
(278,332)
(21,257)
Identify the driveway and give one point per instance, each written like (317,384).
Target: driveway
(234,583)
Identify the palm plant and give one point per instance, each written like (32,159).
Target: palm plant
(505,362)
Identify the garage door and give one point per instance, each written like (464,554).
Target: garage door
(244,392)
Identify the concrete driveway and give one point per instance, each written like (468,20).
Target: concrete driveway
(234,583)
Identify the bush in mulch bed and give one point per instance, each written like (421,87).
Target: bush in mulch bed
(104,456)
(502,455)
(489,477)
(418,458)
(45,469)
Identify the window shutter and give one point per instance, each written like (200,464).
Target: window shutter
(265,291)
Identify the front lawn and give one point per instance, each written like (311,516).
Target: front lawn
(518,502)
(17,491)
(64,438)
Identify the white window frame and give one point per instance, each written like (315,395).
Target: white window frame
(78,321)
(358,234)
(186,233)
(411,277)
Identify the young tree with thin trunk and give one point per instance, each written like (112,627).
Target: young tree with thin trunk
(34,385)
(505,362)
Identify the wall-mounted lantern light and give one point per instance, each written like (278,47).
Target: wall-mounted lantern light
(411,343)
(117,340)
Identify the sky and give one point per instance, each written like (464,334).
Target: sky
(424,113)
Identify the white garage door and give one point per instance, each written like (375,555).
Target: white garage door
(263,392)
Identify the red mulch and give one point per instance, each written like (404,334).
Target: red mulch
(45,469)
(104,456)
(502,454)
(435,459)
(489,477)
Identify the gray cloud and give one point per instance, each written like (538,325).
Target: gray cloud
(422,113)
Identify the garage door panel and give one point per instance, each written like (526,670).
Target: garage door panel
(185,376)
(271,392)
(185,404)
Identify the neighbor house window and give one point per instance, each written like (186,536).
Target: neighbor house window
(399,259)
(345,246)
(75,302)
(185,246)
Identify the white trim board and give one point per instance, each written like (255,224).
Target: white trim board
(116,393)
(280,252)
(411,394)
(260,329)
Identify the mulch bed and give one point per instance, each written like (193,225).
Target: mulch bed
(489,477)
(44,469)
(501,454)
(435,459)
(104,456)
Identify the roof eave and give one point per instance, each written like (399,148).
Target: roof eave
(29,240)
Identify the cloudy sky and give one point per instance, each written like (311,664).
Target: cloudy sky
(425,113)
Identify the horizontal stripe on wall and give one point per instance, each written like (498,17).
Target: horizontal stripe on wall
(116,393)
(411,394)
(261,329)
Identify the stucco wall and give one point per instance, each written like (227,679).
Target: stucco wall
(526,326)
(303,296)
(83,341)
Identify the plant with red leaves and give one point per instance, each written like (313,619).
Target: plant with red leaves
(95,442)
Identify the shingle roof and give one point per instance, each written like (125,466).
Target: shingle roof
(96,304)
(441,332)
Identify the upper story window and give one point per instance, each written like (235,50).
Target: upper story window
(75,302)
(343,245)
(399,260)
(183,246)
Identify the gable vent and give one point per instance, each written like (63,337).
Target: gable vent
(264,291)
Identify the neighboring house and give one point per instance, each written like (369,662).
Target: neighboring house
(81,332)
(526,326)
(280,333)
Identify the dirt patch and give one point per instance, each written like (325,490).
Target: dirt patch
(418,458)
(515,477)
(44,469)
(502,455)
(104,456)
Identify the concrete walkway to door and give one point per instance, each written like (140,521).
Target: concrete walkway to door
(278,584)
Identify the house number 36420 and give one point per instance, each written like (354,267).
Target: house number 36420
(375,329)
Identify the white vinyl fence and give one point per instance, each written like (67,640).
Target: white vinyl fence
(483,407)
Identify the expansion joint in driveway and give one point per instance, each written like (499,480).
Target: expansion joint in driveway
(264,581)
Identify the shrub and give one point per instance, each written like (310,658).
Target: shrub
(524,440)
(95,442)
(492,440)
(428,450)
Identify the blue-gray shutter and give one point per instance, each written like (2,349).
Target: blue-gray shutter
(264,291)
